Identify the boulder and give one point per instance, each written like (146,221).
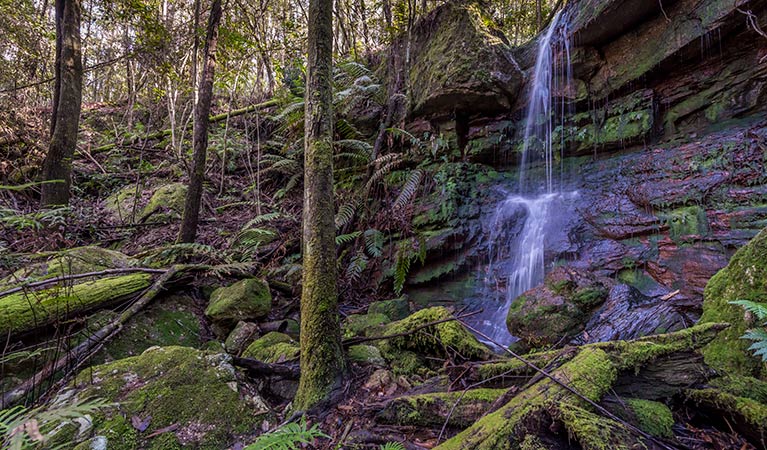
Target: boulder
(272,347)
(166,202)
(744,278)
(242,335)
(395,309)
(189,398)
(366,355)
(244,300)
(558,309)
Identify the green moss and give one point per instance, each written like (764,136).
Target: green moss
(745,277)
(169,321)
(652,417)
(366,354)
(272,347)
(167,200)
(431,410)
(24,311)
(589,298)
(362,324)
(245,300)
(174,385)
(405,362)
(691,220)
(741,386)
(437,339)
(595,432)
(737,409)
(123,202)
(69,262)
(394,309)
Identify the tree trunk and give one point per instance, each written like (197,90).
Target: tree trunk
(322,362)
(200,137)
(65,120)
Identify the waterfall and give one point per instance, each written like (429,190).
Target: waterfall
(517,259)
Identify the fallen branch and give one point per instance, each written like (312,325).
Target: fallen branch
(165,133)
(357,340)
(573,391)
(78,276)
(290,371)
(84,350)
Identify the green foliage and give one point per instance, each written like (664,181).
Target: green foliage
(409,189)
(183,252)
(20,427)
(35,220)
(392,446)
(758,336)
(374,242)
(288,437)
(343,239)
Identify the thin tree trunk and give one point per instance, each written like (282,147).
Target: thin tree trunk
(57,166)
(538,14)
(191,214)
(322,360)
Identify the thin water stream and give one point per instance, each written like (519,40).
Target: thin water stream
(517,259)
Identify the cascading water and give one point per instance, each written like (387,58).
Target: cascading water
(517,261)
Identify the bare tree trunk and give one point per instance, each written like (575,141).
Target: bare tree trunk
(538,14)
(57,166)
(191,214)
(322,360)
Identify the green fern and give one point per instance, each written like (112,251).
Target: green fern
(175,253)
(356,267)
(409,189)
(343,239)
(20,427)
(392,446)
(288,437)
(757,335)
(374,242)
(345,214)
(402,265)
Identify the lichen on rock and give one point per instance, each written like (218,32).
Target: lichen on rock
(244,300)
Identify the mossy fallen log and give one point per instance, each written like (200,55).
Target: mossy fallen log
(461,409)
(25,311)
(745,416)
(545,406)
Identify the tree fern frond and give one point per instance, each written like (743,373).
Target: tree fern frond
(409,189)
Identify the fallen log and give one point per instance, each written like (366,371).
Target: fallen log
(564,402)
(86,349)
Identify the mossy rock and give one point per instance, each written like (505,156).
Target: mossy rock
(744,278)
(272,347)
(557,309)
(242,336)
(24,311)
(70,262)
(395,309)
(166,202)
(366,355)
(461,408)
(123,203)
(168,321)
(363,324)
(437,340)
(243,301)
(194,390)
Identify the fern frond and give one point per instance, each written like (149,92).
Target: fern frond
(343,239)
(345,214)
(345,129)
(409,189)
(288,437)
(399,132)
(357,265)
(757,309)
(292,183)
(268,217)
(374,242)
(392,446)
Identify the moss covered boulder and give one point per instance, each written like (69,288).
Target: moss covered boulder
(446,338)
(24,311)
(394,309)
(460,62)
(166,202)
(272,347)
(243,301)
(366,355)
(242,335)
(744,278)
(177,396)
(363,324)
(556,310)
